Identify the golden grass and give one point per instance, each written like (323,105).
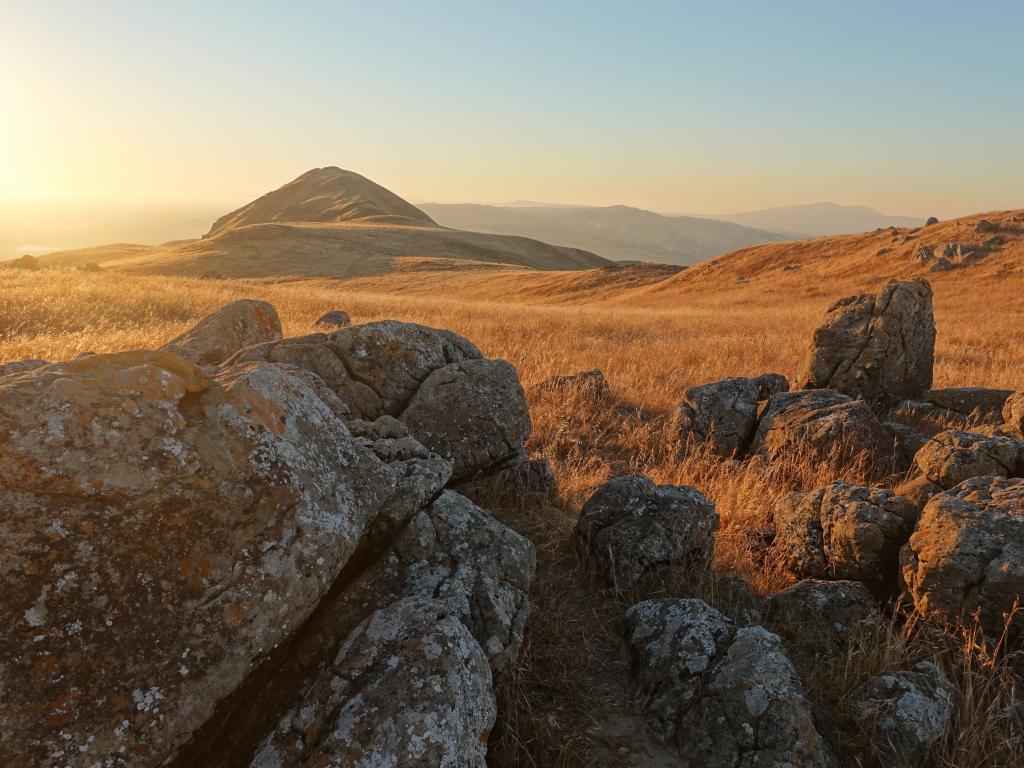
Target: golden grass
(651,343)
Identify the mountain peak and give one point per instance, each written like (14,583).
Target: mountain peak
(325,195)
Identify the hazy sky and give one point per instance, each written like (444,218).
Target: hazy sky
(909,107)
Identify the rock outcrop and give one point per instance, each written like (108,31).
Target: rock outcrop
(168,529)
(966,556)
(723,697)
(876,347)
(844,531)
(217,337)
(631,529)
(723,414)
(905,712)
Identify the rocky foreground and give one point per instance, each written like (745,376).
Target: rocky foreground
(245,550)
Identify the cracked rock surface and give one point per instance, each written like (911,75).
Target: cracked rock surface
(875,347)
(967,553)
(723,414)
(844,531)
(631,529)
(951,457)
(723,697)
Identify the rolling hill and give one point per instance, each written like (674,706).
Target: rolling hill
(815,219)
(616,232)
(329,223)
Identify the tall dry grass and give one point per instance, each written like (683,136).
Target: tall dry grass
(558,703)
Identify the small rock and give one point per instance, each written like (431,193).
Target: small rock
(931,220)
(21,366)
(905,712)
(592,383)
(985,226)
(821,614)
(218,336)
(332,321)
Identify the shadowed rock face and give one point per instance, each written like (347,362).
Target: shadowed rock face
(630,530)
(876,347)
(967,554)
(723,414)
(724,697)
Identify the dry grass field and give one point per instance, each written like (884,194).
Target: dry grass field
(652,334)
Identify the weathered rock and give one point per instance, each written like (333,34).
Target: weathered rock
(906,713)
(953,408)
(875,347)
(918,490)
(822,424)
(21,366)
(332,321)
(721,415)
(724,697)
(985,226)
(967,554)
(844,531)
(769,384)
(630,529)
(376,368)
(951,457)
(162,531)
(931,220)
(410,687)
(473,413)
(821,614)
(1013,414)
(218,336)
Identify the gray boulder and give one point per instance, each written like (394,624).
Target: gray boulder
(723,697)
(966,556)
(905,712)
(236,326)
(631,529)
(876,347)
(844,531)
(410,687)
(332,321)
(723,414)
(821,615)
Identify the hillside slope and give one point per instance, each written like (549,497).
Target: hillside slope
(329,223)
(816,219)
(615,232)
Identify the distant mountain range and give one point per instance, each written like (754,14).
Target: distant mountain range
(616,232)
(799,221)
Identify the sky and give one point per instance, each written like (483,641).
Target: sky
(913,108)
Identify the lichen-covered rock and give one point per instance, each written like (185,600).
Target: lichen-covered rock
(332,321)
(21,366)
(473,413)
(844,531)
(967,554)
(218,336)
(821,614)
(721,415)
(906,713)
(951,457)
(823,424)
(410,687)
(162,530)
(723,697)
(1013,414)
(875,347)
(630,529)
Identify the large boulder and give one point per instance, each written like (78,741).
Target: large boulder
(951,457)
(844,531)
(905,712)
(723,697)
(438,415)
(876,347)
(163,530)
(967,555)
(631,529)
(218,336)
(723,414)
(822,424)
(410,687)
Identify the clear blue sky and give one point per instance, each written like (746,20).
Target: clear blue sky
(909,107)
